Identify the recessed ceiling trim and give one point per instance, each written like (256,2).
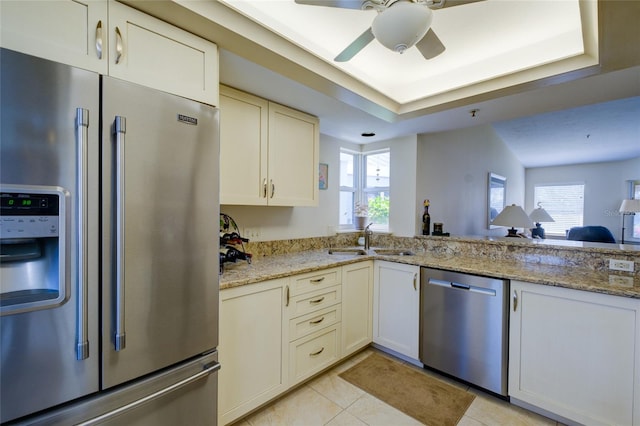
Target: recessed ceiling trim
(232,20)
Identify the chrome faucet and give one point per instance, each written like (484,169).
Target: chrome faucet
(367,237)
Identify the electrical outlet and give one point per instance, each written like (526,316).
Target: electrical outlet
(621,265)
(621,281)
(251,233)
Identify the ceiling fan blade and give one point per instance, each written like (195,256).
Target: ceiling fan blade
(441,4)
(344,4)
(430,46)
(356,46)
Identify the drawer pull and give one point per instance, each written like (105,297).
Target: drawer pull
(316,301)
(318,321)
(317,352)
(317,280)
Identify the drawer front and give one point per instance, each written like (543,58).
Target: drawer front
(313,353)
(307,324)
(312,302)
(312,281)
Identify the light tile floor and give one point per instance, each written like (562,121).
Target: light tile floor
(332,401)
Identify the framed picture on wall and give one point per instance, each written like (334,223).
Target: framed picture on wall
(496,195)
(323,176)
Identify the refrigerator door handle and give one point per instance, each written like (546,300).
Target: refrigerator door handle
(120,129)
(82,133)
(208,369)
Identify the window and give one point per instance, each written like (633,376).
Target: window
(635,194)
(365,179)
(564,203)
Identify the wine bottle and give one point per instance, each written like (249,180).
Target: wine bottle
(426,219)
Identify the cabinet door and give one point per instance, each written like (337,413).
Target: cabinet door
(150,52)
(396,307)
(243,148)
(252,346)
(357,306)
(293,157)
(573,353)
(72,32)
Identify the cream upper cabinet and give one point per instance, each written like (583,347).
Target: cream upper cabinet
(72,32)
(575,354)
(357,306)
(396,308)
(293,157)
(243,147)
(253,347)
(110,38)
(150,52)
(268,153)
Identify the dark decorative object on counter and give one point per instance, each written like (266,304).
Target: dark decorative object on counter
(426,219)
(230,238)
(437,230)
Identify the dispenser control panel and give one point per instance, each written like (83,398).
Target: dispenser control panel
(29,214)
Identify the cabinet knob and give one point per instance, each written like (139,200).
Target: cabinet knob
(119,46)
(99,39)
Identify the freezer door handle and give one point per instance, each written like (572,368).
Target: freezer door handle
(82,133)
(120,129)
(208,369)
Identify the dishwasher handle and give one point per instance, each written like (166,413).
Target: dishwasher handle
(461,286)
(458,286)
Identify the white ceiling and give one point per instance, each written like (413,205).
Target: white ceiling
(606,107)
(543,114)
(483,40)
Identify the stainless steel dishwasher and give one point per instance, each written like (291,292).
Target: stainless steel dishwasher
(464,327)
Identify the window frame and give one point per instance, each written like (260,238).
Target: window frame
(550,209)
(361,190)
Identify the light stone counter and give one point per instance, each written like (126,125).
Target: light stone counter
(282,265)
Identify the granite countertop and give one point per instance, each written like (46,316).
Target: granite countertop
(279,266)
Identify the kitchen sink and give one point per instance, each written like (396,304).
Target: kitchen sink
(394,252)
(347,250)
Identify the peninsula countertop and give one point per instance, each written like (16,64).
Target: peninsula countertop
(284,265)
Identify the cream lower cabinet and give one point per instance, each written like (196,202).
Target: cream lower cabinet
(279,333)
(268,152)
(253,347)
(575,354)
(111,38)
(357,306)
(315,314)
(396,308)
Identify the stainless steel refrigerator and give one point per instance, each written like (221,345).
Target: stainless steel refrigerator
(109,250)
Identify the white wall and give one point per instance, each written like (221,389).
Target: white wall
(605,188)
(403,183)
(453,170)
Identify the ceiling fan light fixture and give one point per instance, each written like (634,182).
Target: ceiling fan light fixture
(402,25)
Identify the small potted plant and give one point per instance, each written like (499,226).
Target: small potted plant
(361,213)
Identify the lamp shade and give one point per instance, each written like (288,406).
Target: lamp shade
(540,215)
(630,206)
(513,216)
(401,25)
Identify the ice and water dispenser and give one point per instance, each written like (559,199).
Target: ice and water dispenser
(34,248)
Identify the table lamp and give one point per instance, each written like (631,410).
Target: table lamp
(630,207)
(514,217)
(539,215)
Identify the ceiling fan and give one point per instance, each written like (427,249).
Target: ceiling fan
(399,25)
